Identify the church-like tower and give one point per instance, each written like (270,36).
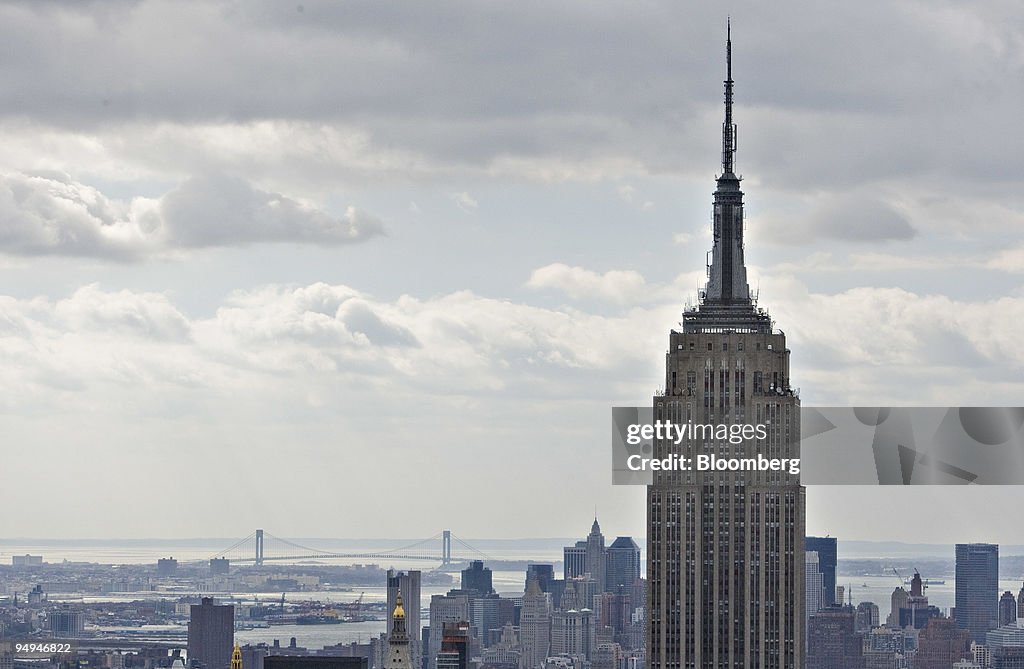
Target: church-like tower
(725,556)
(399,656)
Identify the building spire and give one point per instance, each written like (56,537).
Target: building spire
(726,302)
(728,127)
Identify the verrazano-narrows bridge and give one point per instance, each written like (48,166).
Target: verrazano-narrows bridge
(254,549)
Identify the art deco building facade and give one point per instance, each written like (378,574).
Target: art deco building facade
(726,548)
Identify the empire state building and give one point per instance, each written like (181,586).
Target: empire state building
(725,556)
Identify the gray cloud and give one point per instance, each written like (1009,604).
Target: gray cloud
(48,213)
(224,211)
(468,85)
(859,220)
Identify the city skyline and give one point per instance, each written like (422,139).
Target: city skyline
(311,242)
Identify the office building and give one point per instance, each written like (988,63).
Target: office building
(219,566)
(574,560)
(866,617)
(477,577)
(67,623)
(1006,647)
(211,635)
(596,556)
(623,563)
(544,573)
(450,608)
(166,566)
(827,552)
(26,560)
(941,644)
(977,588)
(455,646)
(534,626)
(725,551)
(814,596)
(1007,609)
(832,640)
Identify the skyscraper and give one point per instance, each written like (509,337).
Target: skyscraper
(211,635)
(399,655)
(825,547)
(596,556)
(407,585)
(1007,609)
(535,626)
(977,588)
(725,558)
(477,577)
(833,642)
(450,608)
(623,563)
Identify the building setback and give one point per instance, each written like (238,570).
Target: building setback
(725,553)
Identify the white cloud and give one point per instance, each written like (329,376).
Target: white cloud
(50,214)
(616,286)
(465,202)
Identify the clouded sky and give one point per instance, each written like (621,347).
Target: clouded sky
(262,263)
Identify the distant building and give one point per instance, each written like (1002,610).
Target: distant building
(866,617)
(1006,645)
(898,602)
(313,662)
(977,588)
(455,646)
(399,655)
(917,612)
(26,560)
(623,563)
(67,623)
(981,653)
(572,627)
(219,566)
(597,556)
(826,549)
(813,584)
(506,652)
(36,595)
(1020,603)
(167,567)
(211,635)
(574,560)
(408,584)
(450,608)
(1007,609)
(535,626)
(477,577)
(832,641)
(941,644)
(545,574)
(488,615)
